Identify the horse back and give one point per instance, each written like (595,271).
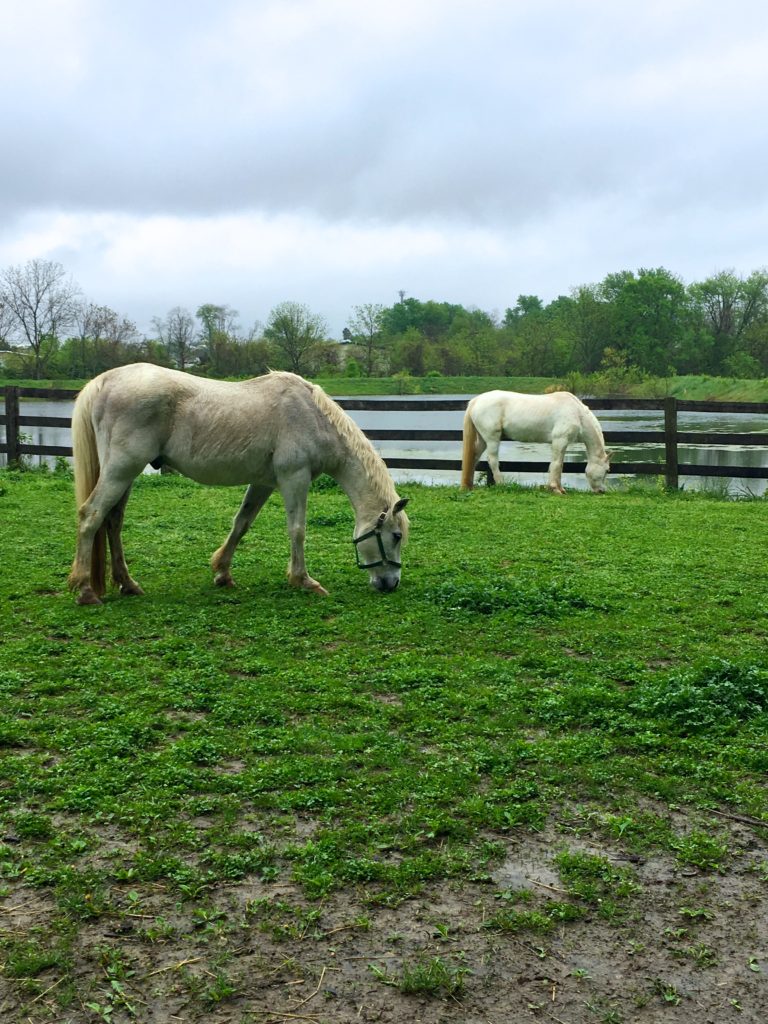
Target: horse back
(215,432)
(516,416)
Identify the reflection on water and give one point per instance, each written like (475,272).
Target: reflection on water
(651,420)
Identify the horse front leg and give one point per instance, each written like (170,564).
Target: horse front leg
(294,490)
(556,466)
(221,560)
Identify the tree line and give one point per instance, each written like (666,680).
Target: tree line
(646,322)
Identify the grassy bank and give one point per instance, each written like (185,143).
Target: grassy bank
(207,796)
(397,385)
(701,388)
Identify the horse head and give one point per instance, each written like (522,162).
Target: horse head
(377,549)
(598,468)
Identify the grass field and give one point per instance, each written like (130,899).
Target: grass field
(531,783)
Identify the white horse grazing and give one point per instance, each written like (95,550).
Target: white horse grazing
(560,418)
(276,431)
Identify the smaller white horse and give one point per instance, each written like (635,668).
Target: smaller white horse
(560,418)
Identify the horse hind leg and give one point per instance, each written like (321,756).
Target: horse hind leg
(120,574)
(221,560)
(479,448)
(492,454)
(86,576)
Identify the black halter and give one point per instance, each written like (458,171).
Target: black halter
(384,560)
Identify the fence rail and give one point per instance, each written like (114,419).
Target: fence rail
(671,469)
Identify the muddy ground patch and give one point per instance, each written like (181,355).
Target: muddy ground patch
(679,944)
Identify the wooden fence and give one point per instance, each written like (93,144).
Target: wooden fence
(670,437)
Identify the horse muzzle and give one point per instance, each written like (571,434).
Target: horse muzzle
(387,583)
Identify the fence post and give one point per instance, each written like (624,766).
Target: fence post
(670,442)
(12,425)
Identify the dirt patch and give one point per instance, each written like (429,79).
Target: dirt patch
(687,947)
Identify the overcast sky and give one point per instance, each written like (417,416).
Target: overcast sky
(334,152)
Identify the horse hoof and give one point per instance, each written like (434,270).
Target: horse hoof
(307,583)
(223,581)
(88,597)
(130,589)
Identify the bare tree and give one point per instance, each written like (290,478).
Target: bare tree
(177,334)
(6,324)
(41,303)
(295,331)
(117,333)
(85,327)
(103,336)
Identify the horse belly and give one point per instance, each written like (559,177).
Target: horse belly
(522,431)
(224,471)
(539,421)
(512,418)
(528,425)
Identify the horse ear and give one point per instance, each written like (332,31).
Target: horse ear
(399,505)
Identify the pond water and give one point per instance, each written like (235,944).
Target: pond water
(700,455)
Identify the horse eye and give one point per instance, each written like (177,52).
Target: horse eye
(397,537)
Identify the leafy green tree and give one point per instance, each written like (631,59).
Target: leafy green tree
(730,306)
(526,306)
(219,331)
(589,328)
(540,353)
(324,359)
(450,358)
(150,350)
(535,339)
(650,317)
(294,331)
(475,332)
(412,353)
(432,319)
(365,329)
(401,317)
(754,342)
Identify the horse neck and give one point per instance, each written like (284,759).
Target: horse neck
(591,434)
(357,468)
(367,500)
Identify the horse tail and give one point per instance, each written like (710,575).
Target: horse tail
(469,452)
(87,470)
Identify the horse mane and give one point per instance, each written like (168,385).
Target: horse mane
(591,423)
(355,441)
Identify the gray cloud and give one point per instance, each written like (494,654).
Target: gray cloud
(493,117)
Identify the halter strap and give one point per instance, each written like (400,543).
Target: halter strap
(384,560)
